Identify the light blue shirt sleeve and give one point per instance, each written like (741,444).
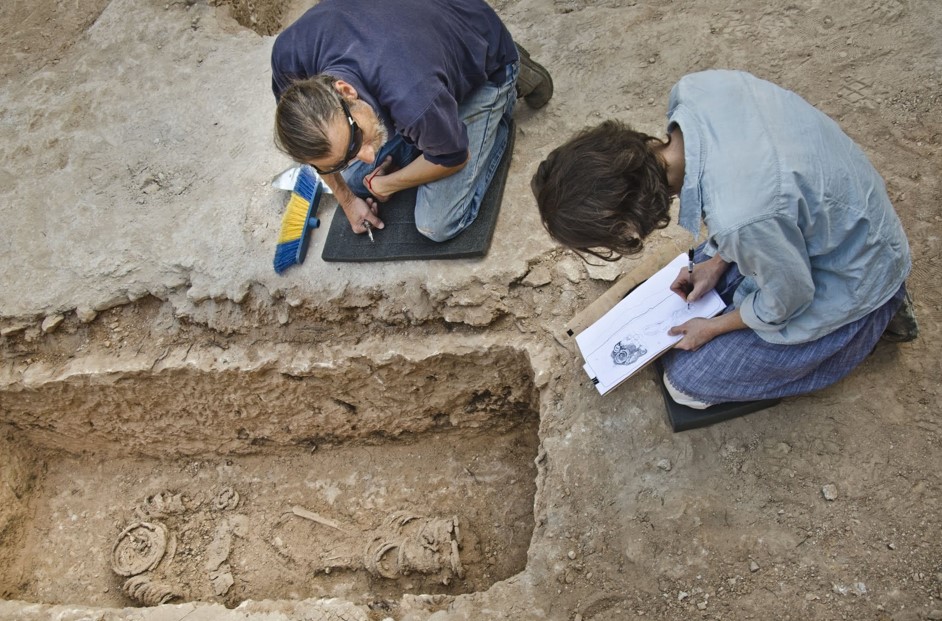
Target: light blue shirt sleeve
(787,196)
(771,253)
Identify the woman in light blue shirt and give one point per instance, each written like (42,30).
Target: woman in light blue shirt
(802,240)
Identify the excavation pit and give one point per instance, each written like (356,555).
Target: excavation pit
(353,479)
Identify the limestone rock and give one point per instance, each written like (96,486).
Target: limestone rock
(537,277)
(51,322)
(85,314)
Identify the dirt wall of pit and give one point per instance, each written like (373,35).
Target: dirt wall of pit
(196,401)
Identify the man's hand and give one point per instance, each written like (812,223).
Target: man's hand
(691,287)
(355,208)
(374,180)
(359,210)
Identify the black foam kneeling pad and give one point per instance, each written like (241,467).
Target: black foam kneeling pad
(400,241)
(683,418)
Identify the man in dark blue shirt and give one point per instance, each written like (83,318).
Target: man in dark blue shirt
(383,96)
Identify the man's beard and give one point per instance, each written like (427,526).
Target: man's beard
(382,136)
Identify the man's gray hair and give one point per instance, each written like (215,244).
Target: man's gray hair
(302,117)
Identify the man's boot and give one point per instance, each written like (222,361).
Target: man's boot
(534,83)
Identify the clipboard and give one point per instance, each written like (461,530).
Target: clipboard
(635,331)
(680,417)
(647,265)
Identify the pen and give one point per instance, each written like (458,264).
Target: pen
(369,230)
(690,272)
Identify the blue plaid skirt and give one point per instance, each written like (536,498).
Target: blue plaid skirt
(741,366)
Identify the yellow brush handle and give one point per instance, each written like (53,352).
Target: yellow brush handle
(647,265)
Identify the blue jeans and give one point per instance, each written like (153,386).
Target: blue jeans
(448,206)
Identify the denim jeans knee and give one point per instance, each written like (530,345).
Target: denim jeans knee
(446,207)
(402,153)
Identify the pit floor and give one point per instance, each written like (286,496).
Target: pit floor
(81,505)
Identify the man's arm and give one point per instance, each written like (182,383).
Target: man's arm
(438,130)
(418,172)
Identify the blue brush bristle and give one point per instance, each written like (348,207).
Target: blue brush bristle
(307,186)
(306,182)
(286,255)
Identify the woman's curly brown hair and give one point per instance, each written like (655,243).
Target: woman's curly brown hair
(603,191)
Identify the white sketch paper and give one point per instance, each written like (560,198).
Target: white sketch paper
(634,332)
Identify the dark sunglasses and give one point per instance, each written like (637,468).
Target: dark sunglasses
(353,147)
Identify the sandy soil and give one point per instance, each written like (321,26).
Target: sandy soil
(577,507)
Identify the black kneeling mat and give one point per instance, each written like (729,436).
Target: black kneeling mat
(400,241)
(682,417)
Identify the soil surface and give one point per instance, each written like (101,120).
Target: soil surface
(137,371)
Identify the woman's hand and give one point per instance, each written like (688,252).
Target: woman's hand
(697,333)
(692,286)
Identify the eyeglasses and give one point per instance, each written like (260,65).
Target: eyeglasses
(353,147)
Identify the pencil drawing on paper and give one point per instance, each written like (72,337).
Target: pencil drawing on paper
(641,333)
(646,320)
(636,330)
(661,325)
(627,351)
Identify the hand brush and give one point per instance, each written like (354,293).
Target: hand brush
(299,219)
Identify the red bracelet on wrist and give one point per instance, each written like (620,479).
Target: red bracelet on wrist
(368,180)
